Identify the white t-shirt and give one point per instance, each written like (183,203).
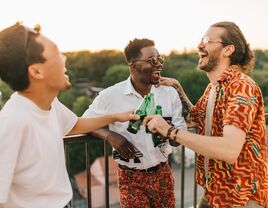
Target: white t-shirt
(123,97)
(32,162)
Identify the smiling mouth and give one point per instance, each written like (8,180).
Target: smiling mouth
(203,54)
(156,73)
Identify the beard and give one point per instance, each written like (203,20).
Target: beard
(212,62)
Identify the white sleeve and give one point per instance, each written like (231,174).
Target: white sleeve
(177,118)
(98,107)
(11,138)
(67,119)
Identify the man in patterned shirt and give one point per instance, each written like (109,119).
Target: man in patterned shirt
(232,150)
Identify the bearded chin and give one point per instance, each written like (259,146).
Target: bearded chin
(212,63)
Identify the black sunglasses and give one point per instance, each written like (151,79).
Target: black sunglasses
(152,60)
(28,32)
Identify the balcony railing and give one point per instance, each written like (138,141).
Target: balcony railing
(86,139)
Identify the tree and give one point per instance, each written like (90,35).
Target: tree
(81,104)
(5,93)
(115,74)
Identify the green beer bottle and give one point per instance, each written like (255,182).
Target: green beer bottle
(134,126)
(156,136)
(150,108)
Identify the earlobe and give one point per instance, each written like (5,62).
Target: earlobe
(35,72)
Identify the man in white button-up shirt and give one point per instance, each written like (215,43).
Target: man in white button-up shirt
(145,178)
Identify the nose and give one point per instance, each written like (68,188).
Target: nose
(201,45)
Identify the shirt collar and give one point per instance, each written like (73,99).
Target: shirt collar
(129,88)
(229,73)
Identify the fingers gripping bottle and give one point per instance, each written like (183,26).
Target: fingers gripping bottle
(157,136)
(153,110)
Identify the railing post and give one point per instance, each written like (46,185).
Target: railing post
(106,154)
(182,175)
(195,184)
(89,201)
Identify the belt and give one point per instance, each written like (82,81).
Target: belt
(151,169)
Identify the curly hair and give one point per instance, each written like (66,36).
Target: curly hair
(133,49)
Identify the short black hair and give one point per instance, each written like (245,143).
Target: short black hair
(133,49)
(16,55)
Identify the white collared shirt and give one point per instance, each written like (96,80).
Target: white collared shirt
(123,97)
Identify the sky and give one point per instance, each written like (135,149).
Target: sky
(110,24)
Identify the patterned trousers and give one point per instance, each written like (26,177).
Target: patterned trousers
(147,189)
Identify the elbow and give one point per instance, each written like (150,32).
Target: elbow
(232,157)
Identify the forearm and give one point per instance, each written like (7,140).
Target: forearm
(102,133)
(220,148)
(86,125)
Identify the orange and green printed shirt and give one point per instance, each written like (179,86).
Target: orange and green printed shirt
(239,102)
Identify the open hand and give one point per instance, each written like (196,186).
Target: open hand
(168,82)
(122,145)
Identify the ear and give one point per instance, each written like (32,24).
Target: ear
(228,50)
(35,71)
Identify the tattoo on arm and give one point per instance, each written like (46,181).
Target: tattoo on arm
(186,104)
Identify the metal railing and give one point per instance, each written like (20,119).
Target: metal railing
(86,139)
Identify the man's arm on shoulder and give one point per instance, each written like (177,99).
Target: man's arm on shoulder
(186,103)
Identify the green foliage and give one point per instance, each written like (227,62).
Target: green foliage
(86,64)
(77,154)
(68,97)
(261,77)
(193,82)
(115,74)
(81,104)
(5,93)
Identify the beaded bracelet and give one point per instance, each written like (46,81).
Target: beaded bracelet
(169,131)
(175,134)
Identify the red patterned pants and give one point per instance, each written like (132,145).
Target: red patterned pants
(147,190)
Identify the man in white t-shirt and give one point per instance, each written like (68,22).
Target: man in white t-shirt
(145,178)
(33,122)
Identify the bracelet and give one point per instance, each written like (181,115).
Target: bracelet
(175,134)
(169,131)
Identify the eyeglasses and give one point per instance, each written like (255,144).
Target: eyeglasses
(152,60)
(205,40)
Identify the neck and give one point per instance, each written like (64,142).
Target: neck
(217,72)
(42,99)
(141,88)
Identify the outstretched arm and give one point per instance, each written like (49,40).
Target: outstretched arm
(224,148)
(85,125)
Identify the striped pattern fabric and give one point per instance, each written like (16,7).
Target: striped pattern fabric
(238,102)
